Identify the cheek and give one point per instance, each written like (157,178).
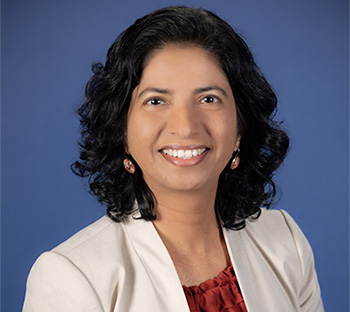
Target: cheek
(228,135)
(141,134)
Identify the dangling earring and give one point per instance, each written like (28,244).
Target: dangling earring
(235,161)
(128,165)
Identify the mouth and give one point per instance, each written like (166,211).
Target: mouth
(183,153)
(184,156)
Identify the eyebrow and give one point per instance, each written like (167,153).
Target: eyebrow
(157,90)
(210,88)
(196,91)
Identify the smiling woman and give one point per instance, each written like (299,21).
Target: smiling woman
(179,143)
(183,105)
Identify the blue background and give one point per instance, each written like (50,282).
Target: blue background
(47,49)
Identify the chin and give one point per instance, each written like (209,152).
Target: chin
(188,185)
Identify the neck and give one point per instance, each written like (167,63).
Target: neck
(187,219)
(188,227)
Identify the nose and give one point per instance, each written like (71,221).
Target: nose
(183,120)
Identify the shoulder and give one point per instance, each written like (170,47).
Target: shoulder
(281,231)
(274,219)
(272,223)
(276,239)
(278,234)
(54,277)
(102,230)
(82,271)
(104,244)
(278,227)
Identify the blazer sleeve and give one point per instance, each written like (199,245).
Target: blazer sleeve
(56,284)
(309,294)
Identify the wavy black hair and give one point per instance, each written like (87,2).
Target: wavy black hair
(103,117)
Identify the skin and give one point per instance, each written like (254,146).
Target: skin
(184,102)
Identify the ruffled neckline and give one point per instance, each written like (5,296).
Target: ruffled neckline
(221,293)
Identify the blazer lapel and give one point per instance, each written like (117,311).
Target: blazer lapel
(158,263)
(243,270)
(260,271)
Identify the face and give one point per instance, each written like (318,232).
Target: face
(182,123)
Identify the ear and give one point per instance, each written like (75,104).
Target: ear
(126,148)
(238,142)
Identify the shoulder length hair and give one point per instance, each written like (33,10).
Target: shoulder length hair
(103,117)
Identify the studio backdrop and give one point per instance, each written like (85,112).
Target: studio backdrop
(47,50)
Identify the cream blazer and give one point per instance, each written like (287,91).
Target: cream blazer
(125,267)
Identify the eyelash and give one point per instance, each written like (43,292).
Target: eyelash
(213,99)
(148,102)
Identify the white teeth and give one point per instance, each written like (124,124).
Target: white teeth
(184,154)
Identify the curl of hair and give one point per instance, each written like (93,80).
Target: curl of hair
(103,117)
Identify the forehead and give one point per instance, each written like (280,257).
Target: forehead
(179,63)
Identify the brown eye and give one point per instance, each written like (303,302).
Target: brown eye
(154,101)
(209,99)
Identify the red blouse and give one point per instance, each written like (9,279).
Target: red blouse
(220,294)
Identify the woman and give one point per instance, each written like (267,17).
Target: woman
(179,143)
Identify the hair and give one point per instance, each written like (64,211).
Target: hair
(103,116)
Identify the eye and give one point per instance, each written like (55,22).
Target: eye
(154,101)
(209,99)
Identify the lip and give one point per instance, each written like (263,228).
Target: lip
(184,147)
(184,162)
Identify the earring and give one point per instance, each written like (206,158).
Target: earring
(128,165)
(235,161)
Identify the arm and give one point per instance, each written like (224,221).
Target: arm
(56,284)
(310,294)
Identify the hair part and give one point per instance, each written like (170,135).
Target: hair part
(103,117)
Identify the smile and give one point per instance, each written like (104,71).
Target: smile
(184,154)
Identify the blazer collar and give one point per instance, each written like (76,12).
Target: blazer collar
(158,263)
(258,293)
